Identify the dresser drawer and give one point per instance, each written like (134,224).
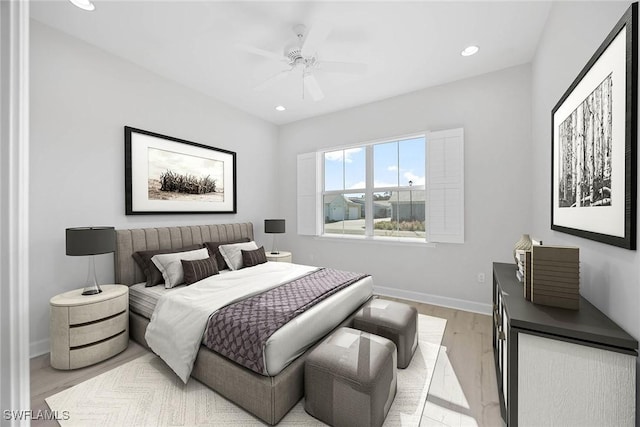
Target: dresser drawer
(92,332)
(85,356)
(99,310)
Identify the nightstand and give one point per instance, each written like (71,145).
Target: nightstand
(279,257)
(87,329)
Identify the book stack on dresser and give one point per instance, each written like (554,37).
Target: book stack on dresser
(520,258)
(555,276)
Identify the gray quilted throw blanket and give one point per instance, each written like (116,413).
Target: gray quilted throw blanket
(240,330)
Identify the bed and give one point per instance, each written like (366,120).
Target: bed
(267,397)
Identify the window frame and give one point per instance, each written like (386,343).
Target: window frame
(369,190)
(444,197)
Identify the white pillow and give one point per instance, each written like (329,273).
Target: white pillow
(232,253)
(170,265)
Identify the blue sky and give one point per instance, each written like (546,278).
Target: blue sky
(395,163)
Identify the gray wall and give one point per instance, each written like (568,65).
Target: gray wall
(609,276)
(495,111)
(81,97)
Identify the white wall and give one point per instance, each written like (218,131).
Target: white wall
(495,111)
(81,98)
(609,276)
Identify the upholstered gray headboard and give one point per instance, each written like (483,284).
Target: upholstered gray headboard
(141,239)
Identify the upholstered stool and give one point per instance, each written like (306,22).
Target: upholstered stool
(393,320)
(350,379)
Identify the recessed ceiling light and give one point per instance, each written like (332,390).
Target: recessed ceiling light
(470,50)
(280,108)
(83,4)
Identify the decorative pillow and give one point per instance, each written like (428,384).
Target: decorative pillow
(170,265)
(215,252)
(252,258)
(199,269)
(232,253)
(151,272)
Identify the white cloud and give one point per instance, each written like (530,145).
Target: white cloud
(417,180)
(382,184)
(392,168)
(338,155)
(333,156)
(357,185)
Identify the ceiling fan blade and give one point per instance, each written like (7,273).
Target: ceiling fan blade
(315,37)
(262,52)
(311,85)
(343,67)
(272,80)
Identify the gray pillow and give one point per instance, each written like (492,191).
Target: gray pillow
(252,258)
(199,269)
(215,252)
(232,253)
(151,272)
(170,265)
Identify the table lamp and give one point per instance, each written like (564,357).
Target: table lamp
(274,226)
(92,241)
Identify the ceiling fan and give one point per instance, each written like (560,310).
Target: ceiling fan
(302,55)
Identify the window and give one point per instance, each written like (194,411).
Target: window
(391,203)
(404,189)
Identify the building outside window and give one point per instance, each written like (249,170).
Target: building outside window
(376,190)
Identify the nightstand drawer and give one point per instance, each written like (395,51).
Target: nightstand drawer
(85,356)
(86,329)
(282,256)
(91,312)
(81,335)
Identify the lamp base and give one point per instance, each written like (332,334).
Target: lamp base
(91,290)
(91,286)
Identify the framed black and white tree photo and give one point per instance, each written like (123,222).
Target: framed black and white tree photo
(594,132)
(165,175)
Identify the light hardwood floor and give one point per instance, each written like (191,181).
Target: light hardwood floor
(463,390)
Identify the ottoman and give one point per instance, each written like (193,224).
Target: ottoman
(350,379)
(393,320)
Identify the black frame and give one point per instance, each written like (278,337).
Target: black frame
(630,20)
(128,174)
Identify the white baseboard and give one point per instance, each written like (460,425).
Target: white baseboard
(460,304)
(38,348)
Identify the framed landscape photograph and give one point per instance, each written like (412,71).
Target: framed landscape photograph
(594,132)
(166,175)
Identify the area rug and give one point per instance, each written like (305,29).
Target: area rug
(144,392)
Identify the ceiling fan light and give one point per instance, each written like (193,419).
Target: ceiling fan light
(470,50)
(83,4)
(280,108)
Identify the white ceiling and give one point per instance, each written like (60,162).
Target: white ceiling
(407,45)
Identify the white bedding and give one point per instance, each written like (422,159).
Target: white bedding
(143,299)
(180,317)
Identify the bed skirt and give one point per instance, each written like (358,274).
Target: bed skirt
(268,398)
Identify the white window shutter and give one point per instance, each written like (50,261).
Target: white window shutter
(308,194)
(445,186)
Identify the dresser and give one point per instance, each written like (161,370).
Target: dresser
(557,366)
(87,329)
